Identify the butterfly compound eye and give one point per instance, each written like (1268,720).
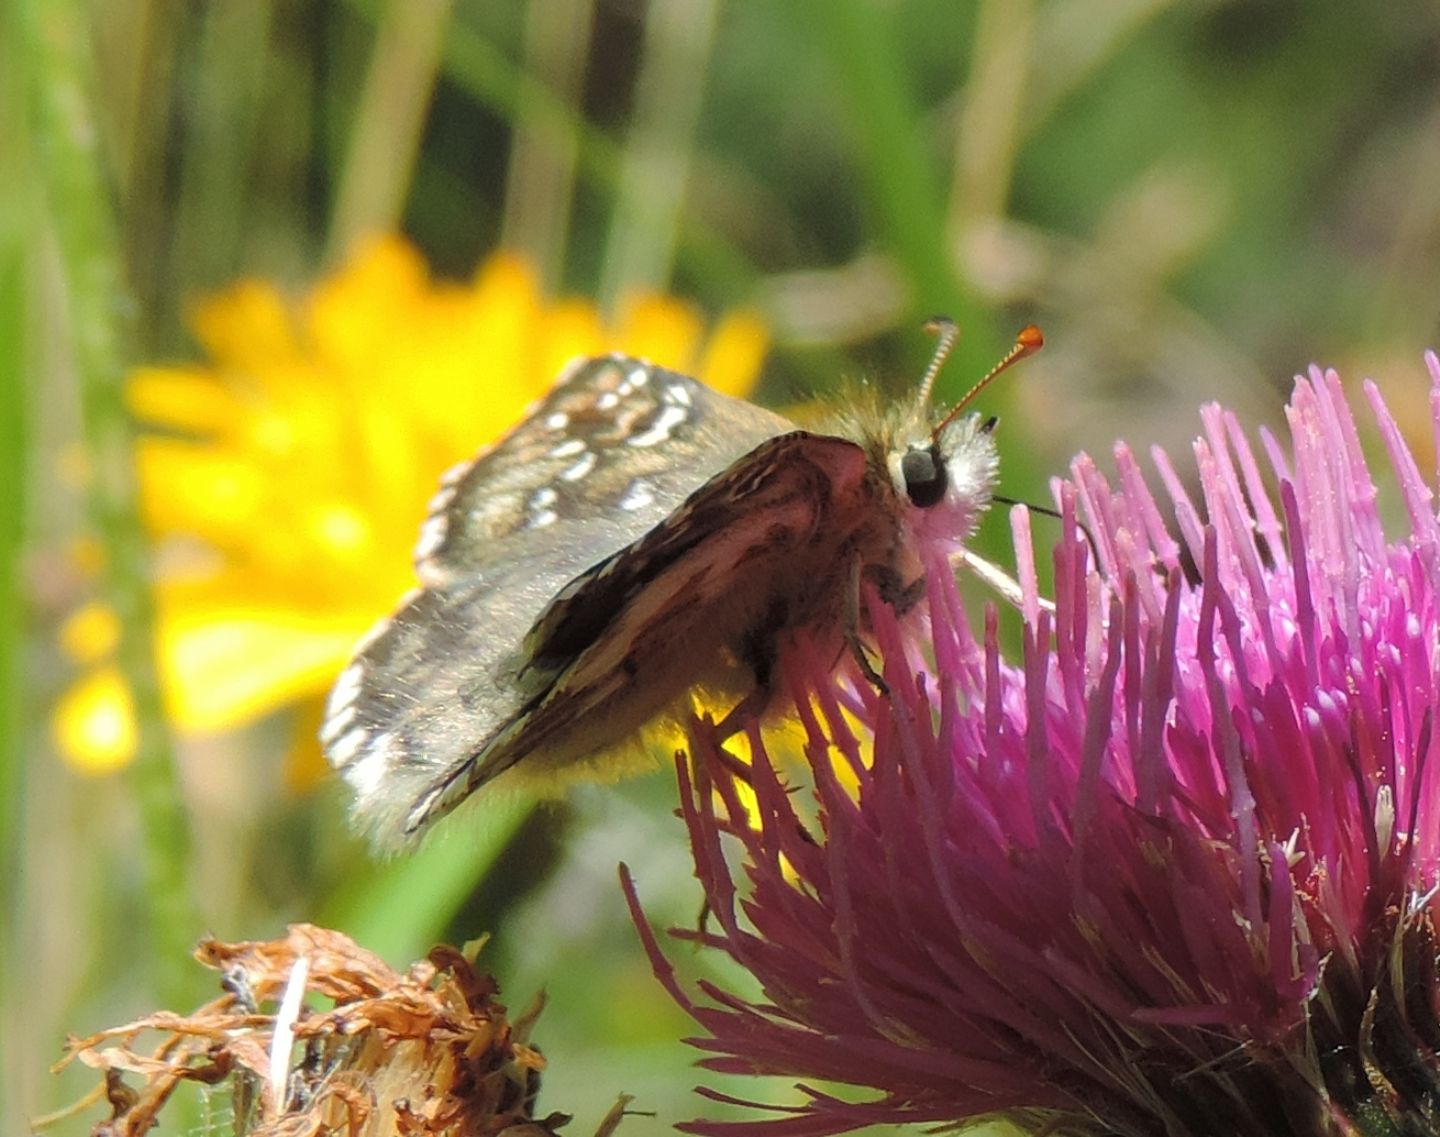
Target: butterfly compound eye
(924,474)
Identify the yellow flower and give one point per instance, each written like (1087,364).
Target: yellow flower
(285,480)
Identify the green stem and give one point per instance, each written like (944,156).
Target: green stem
(17,209)
(660,148)
(389,121)
(97,323)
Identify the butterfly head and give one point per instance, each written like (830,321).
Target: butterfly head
(945,479)
(944,470)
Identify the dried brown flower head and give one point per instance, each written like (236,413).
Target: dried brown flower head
(424,1053)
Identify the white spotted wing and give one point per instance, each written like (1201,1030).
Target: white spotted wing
(607,456)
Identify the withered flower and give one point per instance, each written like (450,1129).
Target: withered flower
(429,1052)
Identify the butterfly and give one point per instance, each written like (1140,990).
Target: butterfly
(636,536)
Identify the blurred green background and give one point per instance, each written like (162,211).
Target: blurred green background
(1193,200)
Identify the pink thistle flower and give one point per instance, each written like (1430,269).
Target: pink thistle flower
(1174,874)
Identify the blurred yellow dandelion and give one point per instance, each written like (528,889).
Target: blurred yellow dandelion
(285,479)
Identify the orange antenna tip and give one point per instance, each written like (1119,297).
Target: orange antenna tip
(1030,340)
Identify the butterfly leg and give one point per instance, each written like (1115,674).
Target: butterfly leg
(862,660)
(858,651)
(750,707)
(894,591)
(757,650)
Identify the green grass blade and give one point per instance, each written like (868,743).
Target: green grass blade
(402,908)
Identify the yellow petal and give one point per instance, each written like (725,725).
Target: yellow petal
(186,400)
(351,316)
(661,330)
(506,307)
(90,633)
(225,669)
(571,330)
(247,326)
(734,353)
(209,490)
(94,723)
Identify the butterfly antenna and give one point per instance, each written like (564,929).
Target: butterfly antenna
(949,334)
(1028,342)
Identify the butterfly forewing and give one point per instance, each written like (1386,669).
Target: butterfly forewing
(607,454)
(614,448)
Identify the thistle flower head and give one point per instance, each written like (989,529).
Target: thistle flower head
(1172,873)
